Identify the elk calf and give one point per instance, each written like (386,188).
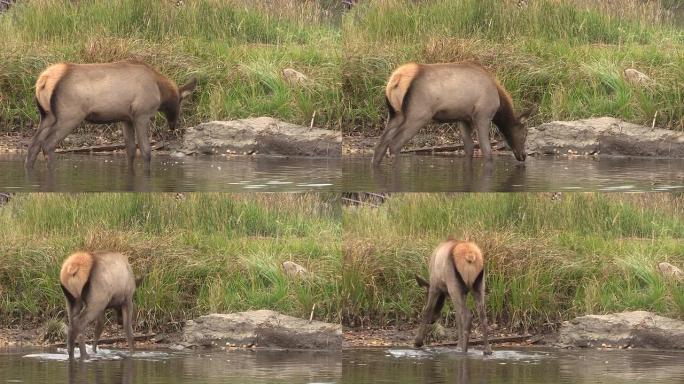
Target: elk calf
(456,268)
(92,283)
(463,93)
(129,92)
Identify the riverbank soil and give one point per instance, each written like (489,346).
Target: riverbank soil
(402,336)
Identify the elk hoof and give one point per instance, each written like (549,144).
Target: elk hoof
(418,343)
(487,352)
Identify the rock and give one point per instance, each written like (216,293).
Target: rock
(670,271)
(604,135)
(262,328)
(295,78)
(635,77)
(262,135)
(639,329)
(294,270)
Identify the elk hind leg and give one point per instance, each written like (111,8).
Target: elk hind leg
(393,127)
(412,124)
(479,296)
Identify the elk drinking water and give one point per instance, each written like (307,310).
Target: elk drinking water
(464,93)
(456,268)
(129,92)
(92,283)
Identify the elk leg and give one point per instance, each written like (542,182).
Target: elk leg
(458,298)
(410,127)
(127,312)
(467,137)
(99,325)
(390,131)
(478,295)
(129,140)
(433,307)
(58,132)
(142,133)
(36,144)
(482,125)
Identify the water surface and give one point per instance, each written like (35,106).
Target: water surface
(505,174)
(103,173)
(114,366)
(543,366)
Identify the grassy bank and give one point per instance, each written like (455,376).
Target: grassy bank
(567,56)
(547,260)
(237,48)
(201,253)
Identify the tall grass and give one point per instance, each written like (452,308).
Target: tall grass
(237,49)
(567,56)
(546,260)
(198,254)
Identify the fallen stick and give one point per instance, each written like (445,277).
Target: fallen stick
(105,148)
(113,340)
(441,148)
(493,340)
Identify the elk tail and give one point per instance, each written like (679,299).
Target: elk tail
(422,282)
(397,91)
(75,275)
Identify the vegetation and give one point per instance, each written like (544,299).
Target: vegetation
(198,253)
(237,48)
(546,259)
(567,56)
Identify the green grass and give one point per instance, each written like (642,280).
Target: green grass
(546,260)
(567,56)
(199,254)
(237,48)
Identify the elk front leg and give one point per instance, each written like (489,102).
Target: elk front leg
(99,325)
(127,314)
(467,137)
(433,307)
(482,125)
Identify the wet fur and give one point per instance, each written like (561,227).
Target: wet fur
(399,99)
(456,268)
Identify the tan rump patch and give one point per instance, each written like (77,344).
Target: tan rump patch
(398,84)
(47,81)
(75,272)
(468,260)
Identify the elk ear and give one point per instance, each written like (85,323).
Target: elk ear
(187,89)
(524,115)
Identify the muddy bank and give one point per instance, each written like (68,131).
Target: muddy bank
(402,337)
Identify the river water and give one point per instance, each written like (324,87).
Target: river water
(543,366)
(505,174)
(151,367)
(104,173)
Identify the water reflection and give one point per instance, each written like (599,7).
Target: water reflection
(505,174)
(513,366)
(200,366)
(91,173)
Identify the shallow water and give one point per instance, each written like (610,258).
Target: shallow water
(505,174)
(447,365)
(101,173)
(116,366)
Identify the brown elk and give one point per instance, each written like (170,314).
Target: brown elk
(463,93)
(456,268)
(128,91)
(93,283)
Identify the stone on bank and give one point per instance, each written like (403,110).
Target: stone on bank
(262,328)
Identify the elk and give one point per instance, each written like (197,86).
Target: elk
(463,93)
(456,268)
(130,92)
(93,283)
